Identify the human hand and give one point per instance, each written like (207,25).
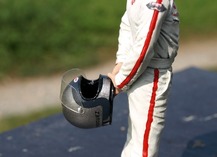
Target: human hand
(112,77)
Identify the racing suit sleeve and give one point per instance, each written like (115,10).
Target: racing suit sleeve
(145,19)
(123,39)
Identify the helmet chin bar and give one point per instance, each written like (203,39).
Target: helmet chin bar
(86,103)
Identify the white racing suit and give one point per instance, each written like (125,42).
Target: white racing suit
(148,44)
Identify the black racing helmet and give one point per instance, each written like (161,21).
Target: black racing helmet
(87,103)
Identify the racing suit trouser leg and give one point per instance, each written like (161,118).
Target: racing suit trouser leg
(147,105)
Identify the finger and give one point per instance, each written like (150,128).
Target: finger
(110,75)
(116,68)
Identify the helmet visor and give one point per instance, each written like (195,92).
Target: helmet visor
(68,92)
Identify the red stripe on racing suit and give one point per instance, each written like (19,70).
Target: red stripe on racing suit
(150,114)
(135,61)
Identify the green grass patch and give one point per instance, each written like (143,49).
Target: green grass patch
(47,36)
(198,18)
(12,122)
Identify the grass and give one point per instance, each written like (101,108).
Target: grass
(197,18)
(11,122)
(48,36)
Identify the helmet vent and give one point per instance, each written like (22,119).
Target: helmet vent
(89,88)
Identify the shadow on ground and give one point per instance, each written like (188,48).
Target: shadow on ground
(202,146)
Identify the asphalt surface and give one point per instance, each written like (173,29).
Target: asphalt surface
(190,130)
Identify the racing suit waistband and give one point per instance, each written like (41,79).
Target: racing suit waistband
(160,63)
